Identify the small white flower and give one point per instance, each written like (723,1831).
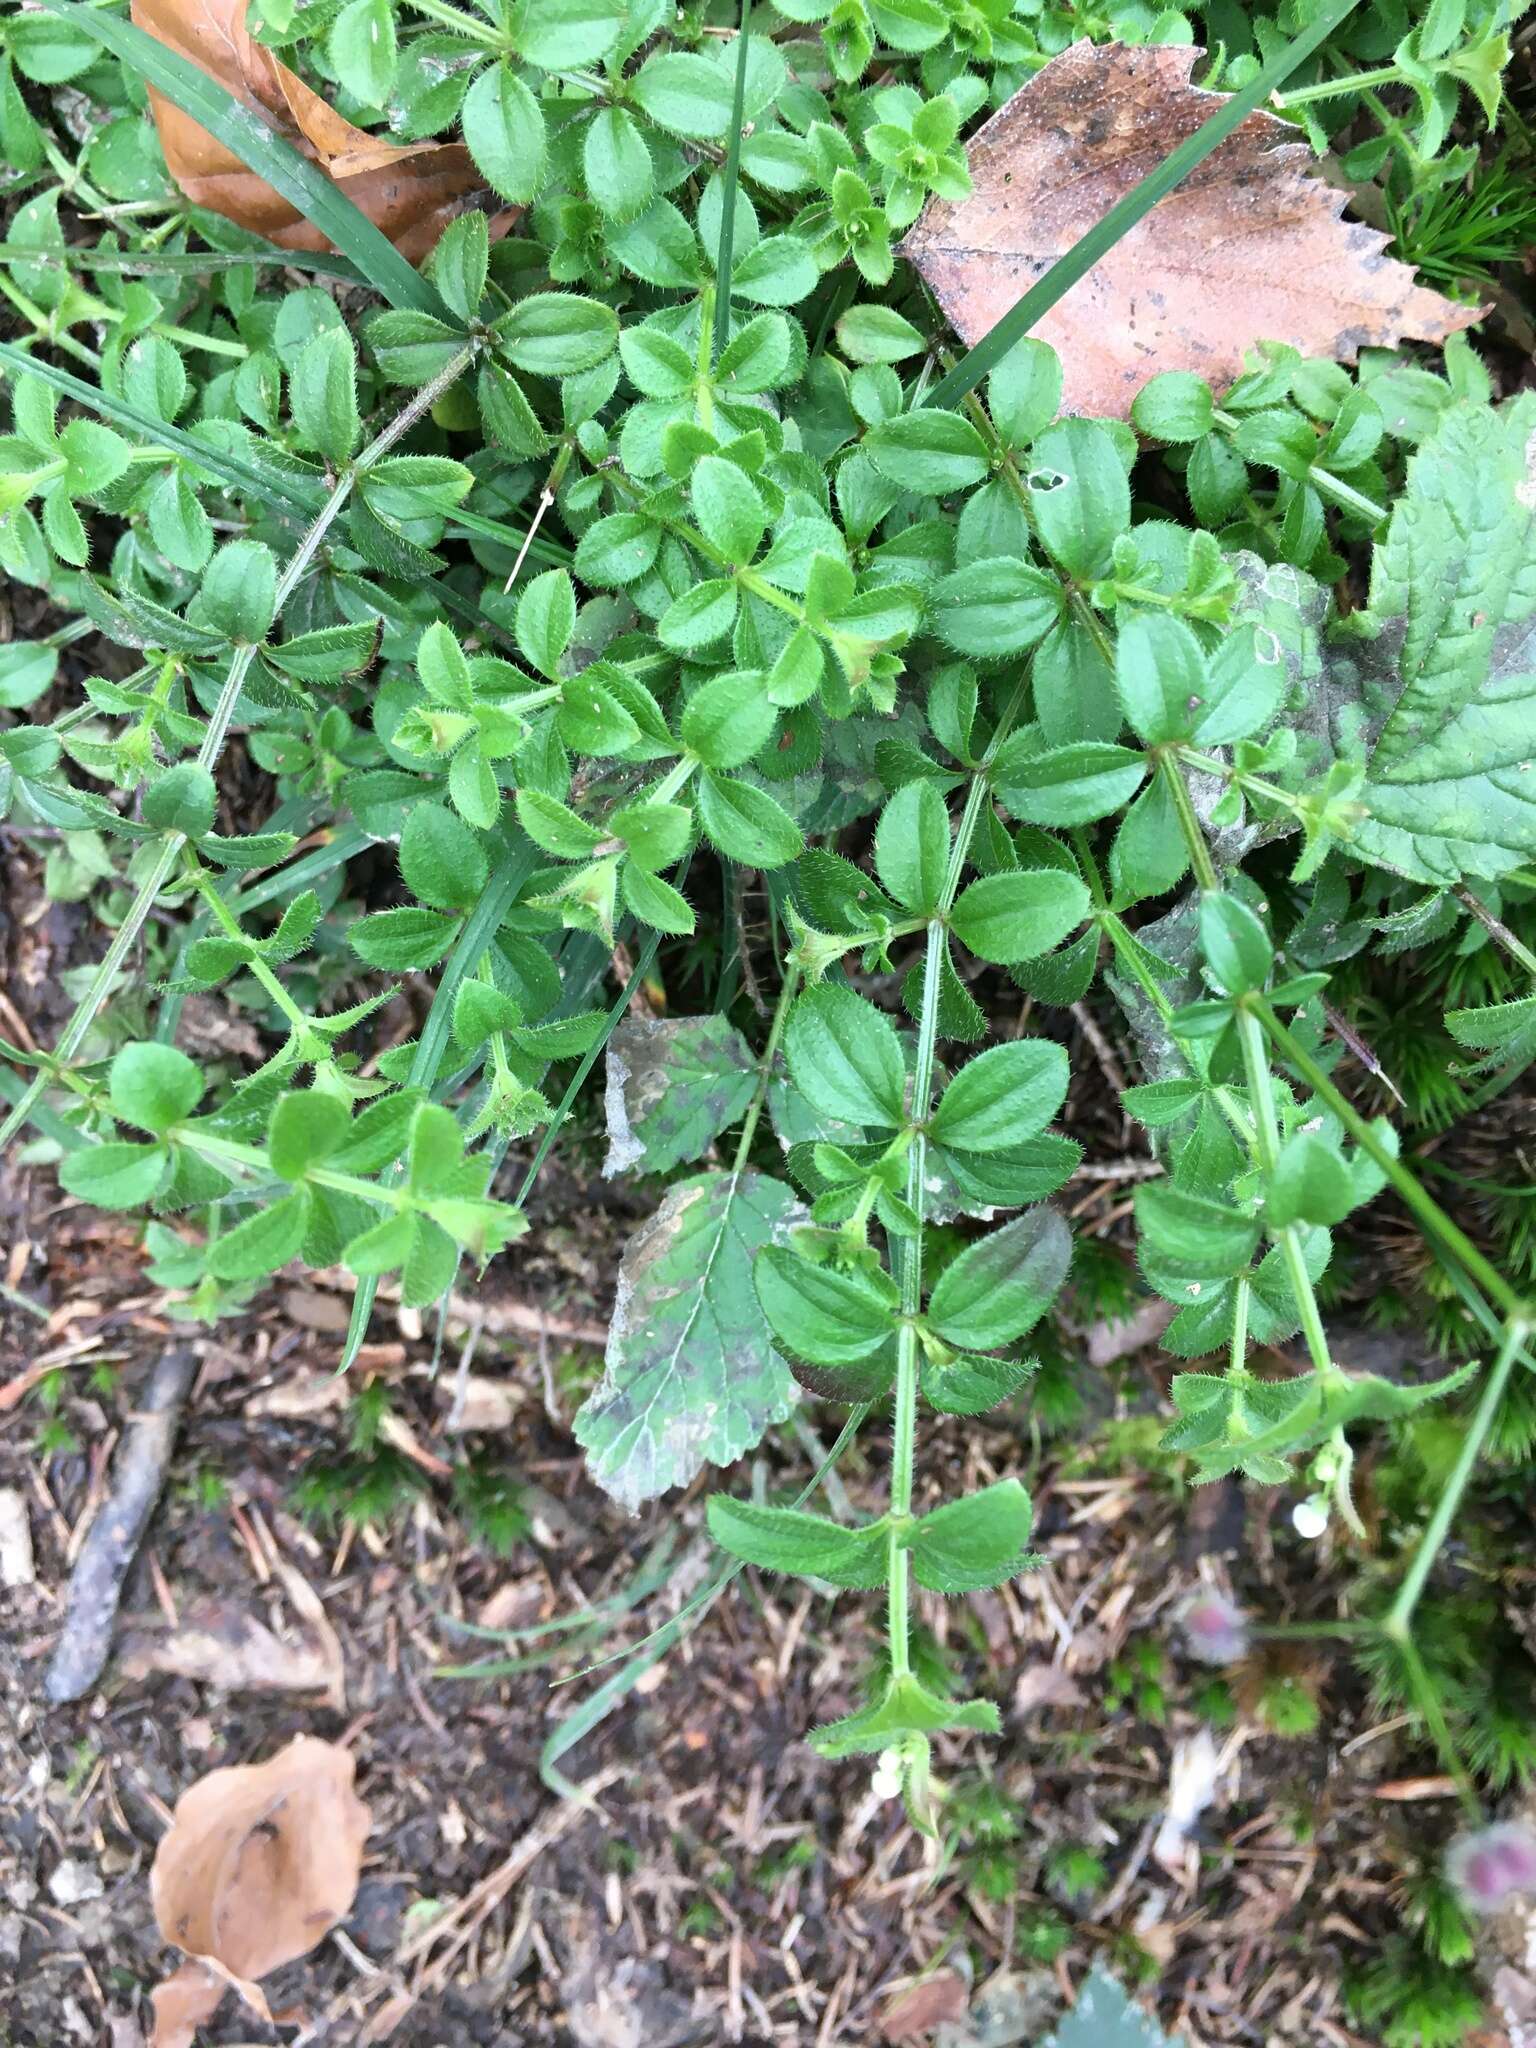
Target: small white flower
(1309,1518)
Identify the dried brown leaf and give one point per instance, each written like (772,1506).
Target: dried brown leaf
(933,2002)
(1250,247)
(260,1862)
(410,192)
(220,1644)
(1046,1685)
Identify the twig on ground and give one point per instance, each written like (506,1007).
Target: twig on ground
(112,1543)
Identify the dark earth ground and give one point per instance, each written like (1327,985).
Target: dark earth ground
(718,1882)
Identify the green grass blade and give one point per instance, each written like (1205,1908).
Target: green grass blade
(181,263)
(243,477)
(730,179)
(264,151)
(1125,213)
(573,1727)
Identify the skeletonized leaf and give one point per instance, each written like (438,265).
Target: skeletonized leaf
(260,1862)
(411,193)
(674,1084)
(690,1376)
(1248,248)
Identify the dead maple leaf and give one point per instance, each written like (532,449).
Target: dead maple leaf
(260,1862)
(1248,248)
(409,192)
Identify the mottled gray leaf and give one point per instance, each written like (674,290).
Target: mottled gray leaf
(674,1084)
(1104,2017)
(691,1377)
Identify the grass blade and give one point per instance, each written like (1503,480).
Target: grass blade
(240,476)
(1125,213)
(264,151)
(281,494)
(181,263)
(573,1727)
(731,177)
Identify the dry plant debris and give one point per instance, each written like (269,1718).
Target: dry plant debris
(411,192)
(261,1861)
(1249,248)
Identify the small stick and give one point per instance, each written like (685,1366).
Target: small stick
(112,1542)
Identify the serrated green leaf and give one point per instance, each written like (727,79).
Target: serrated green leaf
(809,1546)
(970,1544)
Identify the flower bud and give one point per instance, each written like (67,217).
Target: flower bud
(1493,1865)
(1309,1517)
(1215,1627)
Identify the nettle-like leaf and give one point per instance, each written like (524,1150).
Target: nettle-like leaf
(1433,698)
(690,1377)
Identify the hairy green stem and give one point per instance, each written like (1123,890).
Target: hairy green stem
(904,1419)
(1267,1137)
(1335,88)
(749,1125)
(1189,823)
(1400,1614)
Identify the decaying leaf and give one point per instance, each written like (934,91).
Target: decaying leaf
(260,1862)
(1248,248)
(220,1644)
(410,192)
(924,2006)
(690,1377)
(674,1083)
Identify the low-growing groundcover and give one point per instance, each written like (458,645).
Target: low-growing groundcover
(654,547)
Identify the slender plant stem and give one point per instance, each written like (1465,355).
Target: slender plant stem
(86,1009)
(1261,1095)
(1189,823)
(1335,88)
(1400,1614)
(1449,1234)
(904,1420)
(728,185)
(787,994)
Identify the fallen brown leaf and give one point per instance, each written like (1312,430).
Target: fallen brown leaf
(1248,248)
(1046,1685)
(921,2008)
(260,1862)
(409,192)
(220,1644)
